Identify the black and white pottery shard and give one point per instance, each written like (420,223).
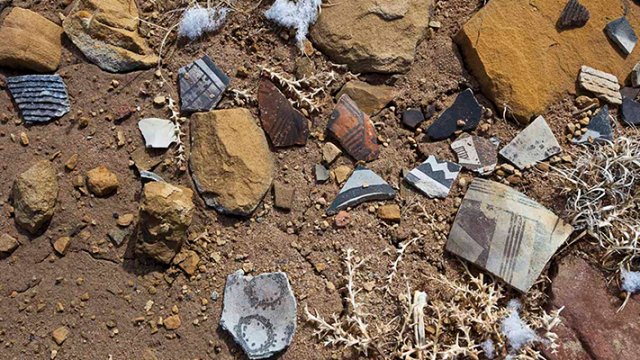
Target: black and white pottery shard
(363,185)
(621,33)
(148,176)
(598,130)
(259,312)
(202,84)
(574,15)
(40,98)
(463,115)
(631,112)
(476,153)
(158,133)
(532,145)
(434,177)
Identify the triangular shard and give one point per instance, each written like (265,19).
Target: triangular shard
(202,84)
(353,129)
(631,112)
(40,98)
(285,125)
(598,130)
(476,153)
(506,233)
(532,145)
(158,133)
(363,185)
(574,15)
(434,177)
(463,115)
(621,33)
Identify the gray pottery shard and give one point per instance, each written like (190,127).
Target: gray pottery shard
(259,312)
(158,133)
(476,153)
(574,15)
(40,98)
(532,145)
(506,233)
(621,33)
(598,130)
(202,84)
(434,177)
(362,186)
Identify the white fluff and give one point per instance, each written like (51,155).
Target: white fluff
(517,332)
(197,21)
(630,281)
(298,15)
(488,348)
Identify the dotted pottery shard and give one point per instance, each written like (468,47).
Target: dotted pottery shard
(574,15)
(604,86)
(354,130)
(463,115)
(40,98)
(476,153)
(434,177)
(506,233)
(285,125)
(259,312)
(598,130)
(532,145)
(202,84)
(363,185)
(621,33)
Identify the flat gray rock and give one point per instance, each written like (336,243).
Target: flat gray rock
(598,130)
(259,312)
(40,98)
(476,153)
(322,174)
(202,84)
(532,145)
(621,33)
(434,177)
(158,133)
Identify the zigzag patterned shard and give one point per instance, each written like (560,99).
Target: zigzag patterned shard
(506,233)
(202,84)
(354,130)
(434,177)
(574,15)
(363,185)
(284,124)
(40,98)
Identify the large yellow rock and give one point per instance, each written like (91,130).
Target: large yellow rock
(30,41)
(523,62)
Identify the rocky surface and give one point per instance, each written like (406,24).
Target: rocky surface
(101,181)
(35,192)
(370,98)
(8,244)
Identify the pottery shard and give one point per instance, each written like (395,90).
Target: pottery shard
(35,192)
(370,98)
(30,41)
(285,125)
(106,31)
(522,61)
(604,86)
(386,37)
(353,129)
(165,215)
(573,15)
(231,164)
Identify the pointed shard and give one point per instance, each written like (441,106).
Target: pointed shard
(599,128)
(354,130)
(284,124)
(574,15)
(158,133)
(506,233)
(40,98)
(259,312)
(148,176)
(621,33)
(434,177)
(476,153)
(322,174)
(363,185)
(463,115)
(202,84)
(532,145)
(412,118)
(605,86)
(631,112)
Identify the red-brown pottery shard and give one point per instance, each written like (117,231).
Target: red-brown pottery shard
(285,125)
(354,130)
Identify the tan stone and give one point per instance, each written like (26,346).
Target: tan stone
(125,220)
(30,41)
(172,322)
(34,195)
(389,212)
(101,181)
(62,245)
(188,261)
(330,153)
(61,334)
(8,244)
(342,173)
(521,60)
(370,98)
(72,162)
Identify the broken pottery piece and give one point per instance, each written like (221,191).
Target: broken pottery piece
(202,84)
(434,177)
(148,176)
(631,112)
(506,233)
(574,15)
(158,133)
(621,33)
(476,153)
(40,98)
(496,141)
(635,75)
(533,144)
(363,185)
(604,86)
(463,115)
(259,312)
(285,125)
(412,118)
(322,174)
(628,92)
(598,130)
(353,129)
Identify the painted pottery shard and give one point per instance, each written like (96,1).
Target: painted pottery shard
(635,75)
(434,177)
(363,185)
(463,115)
(532,145)
(354,130)
(148,176)
(285,125)
(202,84)
(476,153)
(40,98)
(631,112)
(621,33)
(574,15)
(259,312)
(158,133)
(412,118)
(506,233)
(598,130)
(604,86)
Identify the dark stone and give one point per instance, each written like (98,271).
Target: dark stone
(631,112)
(434,177)
(118,236)
(322,174)
(598,130)
(202,84)
(465,108)
(284,124)
(363,185)
(412,118)
(40,98)
(621,33)
(431,111)
(629,92)
(353,129)
(284,196)
(574,15)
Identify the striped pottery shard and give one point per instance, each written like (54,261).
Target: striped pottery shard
(598,130)
(574,15)
(363,185)
(506,233)
(463,115)
(202,84)
(353,129)
(434,177)
(603,85)
(476,153)
(533,144)
(285,125)
(40,98)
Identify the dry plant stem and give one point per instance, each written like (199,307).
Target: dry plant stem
(394,265)
(317,85)
(178,121)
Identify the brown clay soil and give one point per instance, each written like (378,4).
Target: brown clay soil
(119,285)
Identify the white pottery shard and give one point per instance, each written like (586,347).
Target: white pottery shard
(532,145)
(158,133)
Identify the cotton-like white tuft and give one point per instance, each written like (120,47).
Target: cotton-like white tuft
(517,332)
(488,348)
(298,15)
(630,281)
(197,21)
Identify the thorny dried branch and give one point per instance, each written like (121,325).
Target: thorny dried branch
(178,121)
(304,92)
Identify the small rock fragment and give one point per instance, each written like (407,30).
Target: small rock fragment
(285,125)
(172,322)
(101,181)
(159,100)
(188,261)
(353,129)
(7,245)
(412,118)
(322,174)
(598,130)
(118,236)
(604,86)
(434,177)
(465,108)
(583,102)
(158,133)
(330,153)
(342,173)
(369,98)
(363,185)
(125,220)
(533,144)
(621,33)
(574,15)
(24,139)
(62,245)
(342,219)
(390,212)
(284,196)
(61,334)
(72,162)
(202,85)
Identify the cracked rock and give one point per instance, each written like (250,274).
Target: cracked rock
(35,192)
